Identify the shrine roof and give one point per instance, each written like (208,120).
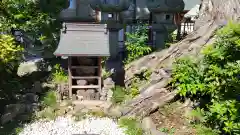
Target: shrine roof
(83,40)
(189,4)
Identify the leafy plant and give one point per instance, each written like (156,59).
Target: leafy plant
(10,51)
(136,44)
(47,113)
(59,75)
(119,94)
(106,74)
(18,130)
(50,99)
(172,38)
(170,131)
(202,130)
(131,125)
(213,80)
(134,91)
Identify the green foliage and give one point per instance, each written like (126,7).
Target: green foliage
(134,91)
(50,106)
(18,130)
(170,131)
(131,126)
(144,75)
(136,44)
(103,61)
(172,38)
(202,130)
(80,115)
(106,74)
(50,99)
(38,18)
(59,75)
(9,51)
(214,81)
(119,94)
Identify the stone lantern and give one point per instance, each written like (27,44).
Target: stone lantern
(112,8)
(163,18)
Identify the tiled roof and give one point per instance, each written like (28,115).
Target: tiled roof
(83,40)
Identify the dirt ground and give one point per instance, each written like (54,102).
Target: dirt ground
(173,119)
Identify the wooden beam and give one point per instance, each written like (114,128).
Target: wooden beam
(85,87)
(85,77)
(70,77)
(77,67)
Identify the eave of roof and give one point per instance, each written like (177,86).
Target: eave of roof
(83,40)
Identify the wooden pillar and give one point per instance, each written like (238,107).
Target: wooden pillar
(70,76)
(99,73)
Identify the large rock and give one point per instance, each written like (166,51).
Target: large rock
(82,82)
(81,94)
(30,108)
(37,87)
(12,108)
(11,111)
(31,98)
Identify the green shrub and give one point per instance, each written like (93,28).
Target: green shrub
(105,74)
(59,75)
(119,94)
(136,44)
(50,99)
(202,130)
(47,113)
(214,81)
(9,51)
(131,125)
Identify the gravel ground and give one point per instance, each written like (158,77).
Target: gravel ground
(67,126)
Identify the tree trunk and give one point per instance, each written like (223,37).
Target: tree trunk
(213,15)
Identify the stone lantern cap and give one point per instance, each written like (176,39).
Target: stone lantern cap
(165,5)
(110,5)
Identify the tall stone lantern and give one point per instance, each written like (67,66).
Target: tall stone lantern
(163,18)
(113,9)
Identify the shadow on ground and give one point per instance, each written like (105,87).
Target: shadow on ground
(19,99)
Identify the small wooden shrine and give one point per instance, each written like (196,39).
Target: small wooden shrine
(84,45)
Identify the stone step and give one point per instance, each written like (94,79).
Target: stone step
(91,103)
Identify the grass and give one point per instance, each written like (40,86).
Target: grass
(131,126)
(202,130)
(80,115)
(169,131)
(50,99)
(50,106)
